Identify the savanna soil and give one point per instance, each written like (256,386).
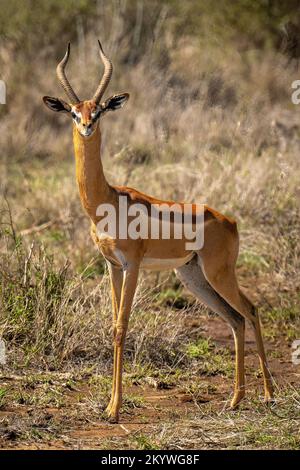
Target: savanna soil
(64,410)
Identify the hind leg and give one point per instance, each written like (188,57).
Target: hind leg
(239,341)
(192,277)
(268,385)
(223,279)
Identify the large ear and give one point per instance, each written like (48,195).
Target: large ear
(115,102)
(55,104)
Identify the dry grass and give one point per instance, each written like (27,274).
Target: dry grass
(204,123)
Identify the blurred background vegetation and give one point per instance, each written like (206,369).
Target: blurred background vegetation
(210,119)
(33,25)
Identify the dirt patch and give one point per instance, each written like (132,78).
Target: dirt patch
(43,411)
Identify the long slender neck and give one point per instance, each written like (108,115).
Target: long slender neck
(93,187)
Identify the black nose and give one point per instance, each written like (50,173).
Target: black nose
(87,125)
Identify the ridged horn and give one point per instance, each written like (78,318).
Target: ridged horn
(60,72)
(108,69)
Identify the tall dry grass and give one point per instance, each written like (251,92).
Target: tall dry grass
(204,123)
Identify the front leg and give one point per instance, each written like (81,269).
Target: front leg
(116,280)
(130,277)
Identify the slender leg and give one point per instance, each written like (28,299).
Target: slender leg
(239,341)
(128,290)
(268,386)
(227,287)
(116,278)
(191,275)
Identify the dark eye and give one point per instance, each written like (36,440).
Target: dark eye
(75,117)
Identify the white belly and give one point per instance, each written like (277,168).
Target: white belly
(156,264)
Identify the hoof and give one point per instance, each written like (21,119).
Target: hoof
(113,419)
(236,400)
(269,400)
(110,415)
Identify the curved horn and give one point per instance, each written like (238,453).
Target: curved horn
(108,69)
(60,72)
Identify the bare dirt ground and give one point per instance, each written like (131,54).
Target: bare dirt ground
(65,410)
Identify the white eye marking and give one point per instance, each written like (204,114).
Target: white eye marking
(76,115)
(95,114)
